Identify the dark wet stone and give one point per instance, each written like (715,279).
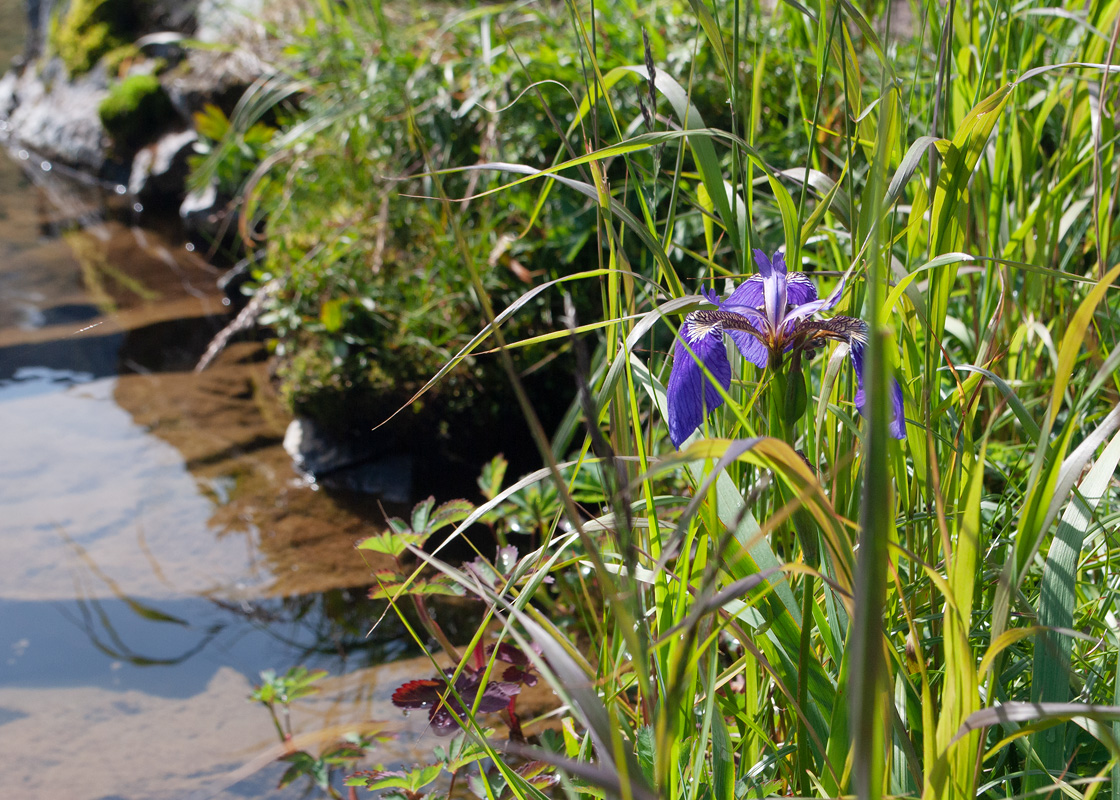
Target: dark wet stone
(160,170)
(54,115)
(200,211)
(352,463)
(67,313)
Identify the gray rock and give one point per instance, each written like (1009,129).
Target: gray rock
(324,458)
(55,117)
(220,75)
(211,76)
(200,210)
(8,98)
(227,20)
(160,170)
(178,16)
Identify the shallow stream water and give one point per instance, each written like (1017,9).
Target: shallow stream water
(157,549)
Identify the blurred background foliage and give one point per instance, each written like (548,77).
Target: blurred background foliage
(327,154)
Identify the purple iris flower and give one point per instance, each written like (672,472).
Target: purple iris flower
(768,315)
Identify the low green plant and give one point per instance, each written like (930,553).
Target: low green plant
(237,153)
(277,693)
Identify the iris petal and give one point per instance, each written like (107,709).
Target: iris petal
(898,416)
(800,289)
(690,394)
(779,262)
(773,286)
(855,352)
(762,261)
(898,419)
(772,309)
(806,310)
(752,349)
(747,294)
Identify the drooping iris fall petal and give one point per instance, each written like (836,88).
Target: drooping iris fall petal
(690,393)
(898,416)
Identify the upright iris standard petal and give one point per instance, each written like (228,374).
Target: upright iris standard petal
(690,393)
(773,286)
(786,290)
(800,289)
(747,294)
(807,310)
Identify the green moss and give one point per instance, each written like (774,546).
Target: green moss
(88,30)
(135,108)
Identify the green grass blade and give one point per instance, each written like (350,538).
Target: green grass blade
(1074,339)
(1057,599)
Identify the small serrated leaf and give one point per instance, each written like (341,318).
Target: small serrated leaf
(493,474)
(421,513)
(449,513)
(538,774)
(506,559)
(484,572)
(422,776)
(290,774)
(392,543)
(477,786)
(441,585)
(389,585)
(301,764)
(464,753)
(379,779)
(399,525)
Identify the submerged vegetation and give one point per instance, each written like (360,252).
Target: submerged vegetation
(894,580)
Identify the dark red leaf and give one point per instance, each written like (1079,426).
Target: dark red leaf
(419,694)
(518,675)
(508,653)
(444,705)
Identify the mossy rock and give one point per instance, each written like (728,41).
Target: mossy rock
(89,29)
(136,109)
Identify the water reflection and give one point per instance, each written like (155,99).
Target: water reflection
(148,538)
(78,470)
